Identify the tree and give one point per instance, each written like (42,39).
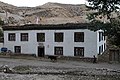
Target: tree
(105,8)
(1,32)
(1,22)
(115,31)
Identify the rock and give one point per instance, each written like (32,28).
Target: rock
(6,69)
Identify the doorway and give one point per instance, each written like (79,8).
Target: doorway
(41,51)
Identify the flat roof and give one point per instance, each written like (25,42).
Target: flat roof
(48,26)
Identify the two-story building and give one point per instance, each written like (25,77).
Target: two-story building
(57,39)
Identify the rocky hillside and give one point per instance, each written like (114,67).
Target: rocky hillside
(49,13)
(8,13)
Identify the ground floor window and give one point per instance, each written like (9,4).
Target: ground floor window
(58,50)
(79,51)
(17,49)
(104,46)
(100,49)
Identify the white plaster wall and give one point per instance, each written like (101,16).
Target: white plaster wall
(30,47)
(101,42)
(1,45)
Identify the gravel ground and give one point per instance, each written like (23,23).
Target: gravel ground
(41,69)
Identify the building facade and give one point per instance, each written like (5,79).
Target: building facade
(61,39)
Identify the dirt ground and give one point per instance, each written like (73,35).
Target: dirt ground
(40,69)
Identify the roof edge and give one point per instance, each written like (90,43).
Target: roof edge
(48,26)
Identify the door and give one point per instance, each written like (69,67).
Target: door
(41,51)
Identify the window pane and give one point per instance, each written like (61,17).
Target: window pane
(24,36)
(79,51)
(40,37)
(17,49)
(101,35)
(11,37)
(58,37)
(79,36)
(58,50)
(100,49)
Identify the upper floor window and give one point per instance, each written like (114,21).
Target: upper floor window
(104,37)
(101,36)
(58,50)
(40,37)
(11,37)
(79,37)
(24,36)
(79,51)
(59,37)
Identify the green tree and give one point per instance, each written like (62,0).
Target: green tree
(1,22)
(1,31)
(105,8)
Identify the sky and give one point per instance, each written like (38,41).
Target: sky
(33,3)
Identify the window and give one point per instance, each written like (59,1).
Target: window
(100,36)
(58,50)
(79,37)
(79,51)
(104,46)
(11,37)
(58,37)
(24,36)
(104,37)
(100,49)
(40,37)
(17,49)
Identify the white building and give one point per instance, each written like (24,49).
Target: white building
(60,39)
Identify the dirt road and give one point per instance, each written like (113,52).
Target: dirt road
(40,69)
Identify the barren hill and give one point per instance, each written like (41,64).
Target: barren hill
(49,13)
